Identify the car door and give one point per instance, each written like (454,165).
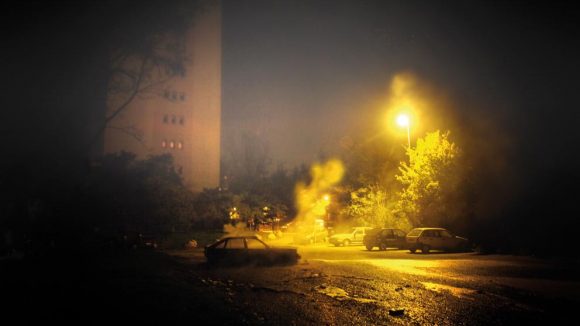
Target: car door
(235,251)
(387,238)
(357,236)
(257,251)
(448,241)
(429,238)
(399,241)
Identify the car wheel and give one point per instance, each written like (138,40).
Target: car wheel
(382,247)
(412,250)
(346,242)
(369,247)
(425,249)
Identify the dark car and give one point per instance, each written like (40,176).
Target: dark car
(248,250)
(384,238)
(426,239)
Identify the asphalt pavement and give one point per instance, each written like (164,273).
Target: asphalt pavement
(351,285)
(328,286)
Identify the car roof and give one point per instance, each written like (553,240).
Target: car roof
(240,237)
(422,229)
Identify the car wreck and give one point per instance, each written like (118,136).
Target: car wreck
(244,250)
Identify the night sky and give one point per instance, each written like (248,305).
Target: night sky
(304,74)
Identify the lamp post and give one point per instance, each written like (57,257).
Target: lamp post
(403,121)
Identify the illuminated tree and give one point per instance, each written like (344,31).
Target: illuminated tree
(430,195)
(373,206)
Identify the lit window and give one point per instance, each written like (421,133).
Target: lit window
(171,144)
(179,145)
(163,143)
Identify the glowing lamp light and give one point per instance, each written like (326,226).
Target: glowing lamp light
(403,120)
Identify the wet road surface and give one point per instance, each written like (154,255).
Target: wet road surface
(354,286)
(328,286)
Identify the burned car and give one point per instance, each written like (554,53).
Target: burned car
(248,250)
(426,239)
(384,238)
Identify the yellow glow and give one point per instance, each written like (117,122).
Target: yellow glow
(405,104)
(313,199)
(403,120)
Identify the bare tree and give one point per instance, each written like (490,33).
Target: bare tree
(146,48)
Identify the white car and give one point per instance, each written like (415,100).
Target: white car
(355,236)
(426,239)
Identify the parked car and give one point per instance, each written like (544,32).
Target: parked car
(311,237)
(355,236)
(426,239)
(384,238)
(248,250)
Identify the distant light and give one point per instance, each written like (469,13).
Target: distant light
(403,120)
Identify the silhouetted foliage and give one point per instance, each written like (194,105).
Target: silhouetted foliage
(139,195)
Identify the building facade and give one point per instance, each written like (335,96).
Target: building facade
(182,116)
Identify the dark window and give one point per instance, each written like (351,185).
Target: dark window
(165,118)
(400,233)
(181,120)
(255,244)
(415,233)
(182,96)
(173,119)
(388,233)
(236,243)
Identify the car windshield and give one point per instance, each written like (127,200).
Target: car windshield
(414,232)
(447,234)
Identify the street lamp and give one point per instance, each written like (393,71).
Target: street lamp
(403,121)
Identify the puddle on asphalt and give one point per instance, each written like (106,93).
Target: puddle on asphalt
(408,266)
(455,291)
(405,265)
(338,293)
